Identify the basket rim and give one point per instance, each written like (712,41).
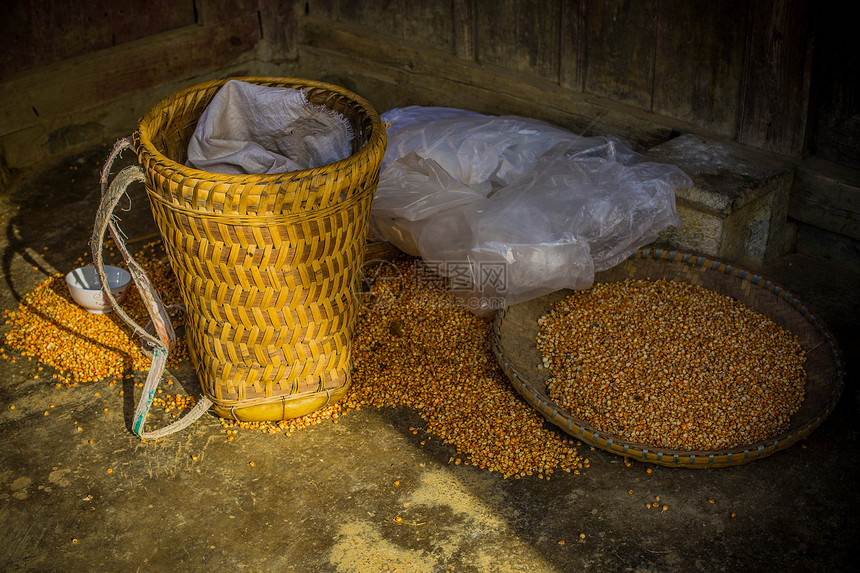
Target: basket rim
(587,433)
(143,137)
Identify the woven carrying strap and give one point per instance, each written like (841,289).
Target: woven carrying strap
(163,341)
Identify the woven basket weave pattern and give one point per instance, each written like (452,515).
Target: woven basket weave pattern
(266,263)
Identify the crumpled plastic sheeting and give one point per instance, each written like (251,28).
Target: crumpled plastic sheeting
(511,208)
(253,129)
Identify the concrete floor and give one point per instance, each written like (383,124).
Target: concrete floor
(325,499)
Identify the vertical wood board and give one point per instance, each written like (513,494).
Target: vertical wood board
(321,9)
(620,44)
(775,90)
(522,35)
(572,49)
(699,62)
(464,29)
(430,22)
(835,95)
(278,25)
(385,16)
(39,32)
(213,11)
(52,93)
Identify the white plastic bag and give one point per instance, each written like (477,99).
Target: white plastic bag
(511,208)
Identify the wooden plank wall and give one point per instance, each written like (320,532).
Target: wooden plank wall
(737,68)
(39,32)
(72,72)
(777,72)
(644,69)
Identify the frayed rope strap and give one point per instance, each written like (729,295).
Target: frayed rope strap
(165,337)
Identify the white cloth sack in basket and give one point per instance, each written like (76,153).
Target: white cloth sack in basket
(253,129)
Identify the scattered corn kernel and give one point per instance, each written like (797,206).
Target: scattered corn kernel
(79,346)
(442,365)
(437,361)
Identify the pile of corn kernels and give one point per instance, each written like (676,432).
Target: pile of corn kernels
(671,365)
(81,347)
(414,345)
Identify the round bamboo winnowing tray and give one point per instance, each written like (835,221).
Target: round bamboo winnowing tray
(515,329)
(266,263)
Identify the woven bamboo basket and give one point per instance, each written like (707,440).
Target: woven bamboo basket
(265,263)
(515,329)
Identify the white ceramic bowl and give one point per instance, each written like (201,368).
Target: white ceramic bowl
(86,289)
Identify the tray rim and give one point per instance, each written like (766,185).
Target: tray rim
(586,433)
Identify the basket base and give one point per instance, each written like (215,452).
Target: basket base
(285,409)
